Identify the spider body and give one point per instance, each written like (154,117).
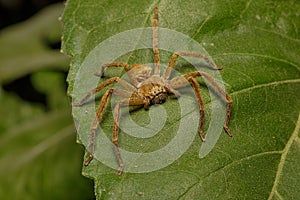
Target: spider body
(148,87)
(153,89)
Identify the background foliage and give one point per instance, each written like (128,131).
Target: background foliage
(39,158)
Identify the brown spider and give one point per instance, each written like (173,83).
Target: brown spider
(147,89)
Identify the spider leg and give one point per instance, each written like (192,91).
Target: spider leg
(180,81)
(220,90)
(155,42)
(175,56)
(118,64)
(196,87)
(113,64)
(115,136)
(98,118)
(123,83)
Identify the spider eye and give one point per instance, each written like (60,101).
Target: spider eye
(160,98)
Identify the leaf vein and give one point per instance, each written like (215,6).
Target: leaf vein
(231,164)
(239,161)
(283,158)
(246,8)
(276,33)
(266,85)
(260,55)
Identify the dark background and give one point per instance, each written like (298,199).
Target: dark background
(56,173)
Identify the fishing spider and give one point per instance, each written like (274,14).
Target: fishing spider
(148,89)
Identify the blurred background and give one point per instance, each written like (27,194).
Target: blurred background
(39,157)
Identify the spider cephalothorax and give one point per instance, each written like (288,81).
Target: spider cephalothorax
(147,88)
(154,89)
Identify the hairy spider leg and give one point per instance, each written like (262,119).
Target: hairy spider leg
(117,64)
(104,100)
(220,90)
(181,81)
(174,58)
(196,87)
(115,136)
(123,83)
(113,64)
(131,99)
(155,42)
(98,118)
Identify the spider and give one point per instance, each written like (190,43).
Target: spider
(147,88)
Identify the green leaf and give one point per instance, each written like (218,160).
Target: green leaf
(258,43)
